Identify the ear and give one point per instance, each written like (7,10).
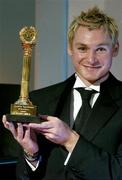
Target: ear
(69,50)
(116,49)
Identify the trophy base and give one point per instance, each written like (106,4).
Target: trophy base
(23,118)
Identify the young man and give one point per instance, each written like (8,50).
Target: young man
(55,149)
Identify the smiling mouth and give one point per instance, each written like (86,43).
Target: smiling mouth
(92,67)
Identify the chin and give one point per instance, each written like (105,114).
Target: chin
(91,80)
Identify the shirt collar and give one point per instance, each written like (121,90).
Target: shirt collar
(80,83)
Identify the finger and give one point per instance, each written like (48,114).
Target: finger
(5,122)
(9,125)
(47,117)
(42,126)
(50,137)
(27,132)
(20,131)
(43,117)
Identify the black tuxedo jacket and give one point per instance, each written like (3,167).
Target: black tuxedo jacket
(98,153)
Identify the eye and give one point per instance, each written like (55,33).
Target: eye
(82,49)
(101,49)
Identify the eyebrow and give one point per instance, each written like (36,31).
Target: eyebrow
(101,44)
(104,44)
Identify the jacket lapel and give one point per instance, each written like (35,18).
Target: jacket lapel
(61,103)
(103,109)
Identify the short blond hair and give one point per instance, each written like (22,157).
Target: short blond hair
(93,19)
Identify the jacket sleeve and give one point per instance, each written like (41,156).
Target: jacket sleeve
(90,162)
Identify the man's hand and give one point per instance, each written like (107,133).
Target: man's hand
(56,131)
(24,135)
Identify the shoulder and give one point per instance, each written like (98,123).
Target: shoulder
(114,86)
(53,90)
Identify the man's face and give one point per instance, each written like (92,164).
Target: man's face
(92,53)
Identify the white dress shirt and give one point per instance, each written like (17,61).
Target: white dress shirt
(76,101)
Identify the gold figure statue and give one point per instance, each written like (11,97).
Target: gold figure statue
(23,109)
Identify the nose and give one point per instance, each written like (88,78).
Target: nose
(91,56)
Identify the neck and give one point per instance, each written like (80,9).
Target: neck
(97,82)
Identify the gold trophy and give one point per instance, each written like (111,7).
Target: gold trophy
(23,110)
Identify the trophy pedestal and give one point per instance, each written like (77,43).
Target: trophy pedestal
(23,113)
(23,118)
